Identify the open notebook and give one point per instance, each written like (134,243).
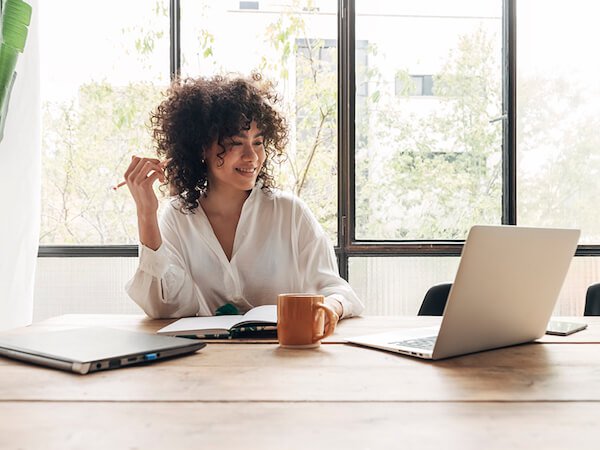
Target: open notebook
(261,318)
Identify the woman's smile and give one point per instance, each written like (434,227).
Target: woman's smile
(246,171)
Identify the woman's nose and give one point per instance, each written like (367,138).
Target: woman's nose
(249,153)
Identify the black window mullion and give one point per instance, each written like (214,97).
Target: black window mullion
(509,106)
(87,251)
(175,41)
(345,131)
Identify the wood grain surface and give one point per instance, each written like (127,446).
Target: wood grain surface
(237,394)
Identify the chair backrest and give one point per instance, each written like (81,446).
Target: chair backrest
(592,301)
(435,300)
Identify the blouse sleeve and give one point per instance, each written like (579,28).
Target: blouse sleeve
(162,285)
(318,264)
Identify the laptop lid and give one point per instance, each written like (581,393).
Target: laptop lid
(505,289)
(85,350)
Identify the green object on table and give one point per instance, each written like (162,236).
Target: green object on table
(226,310)
(15,17)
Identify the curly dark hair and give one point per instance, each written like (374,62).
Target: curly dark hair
(199,111)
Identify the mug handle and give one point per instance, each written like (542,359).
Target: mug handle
(333,318)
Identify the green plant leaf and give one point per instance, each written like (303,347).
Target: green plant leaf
(18,10)
(14,20)
(14,33)
(4,105)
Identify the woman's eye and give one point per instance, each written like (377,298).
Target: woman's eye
(259,143)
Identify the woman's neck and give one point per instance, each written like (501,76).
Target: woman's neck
(224,202)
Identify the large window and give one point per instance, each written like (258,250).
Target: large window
(559,116)
(428,153)
(103,67)
(404,120)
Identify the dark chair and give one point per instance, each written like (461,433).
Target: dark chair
(592,301)
(435,300)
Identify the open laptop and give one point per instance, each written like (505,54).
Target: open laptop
(506,286)
(85,350)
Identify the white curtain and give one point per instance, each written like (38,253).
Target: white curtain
(20,163)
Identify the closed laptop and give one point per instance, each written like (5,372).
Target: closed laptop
(86,350)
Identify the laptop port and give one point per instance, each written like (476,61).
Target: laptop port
(114,363)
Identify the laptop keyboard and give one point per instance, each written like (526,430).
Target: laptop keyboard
(425,343)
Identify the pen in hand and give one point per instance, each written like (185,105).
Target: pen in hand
(123,183)
(117,186)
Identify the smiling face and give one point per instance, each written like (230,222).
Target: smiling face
(237,165)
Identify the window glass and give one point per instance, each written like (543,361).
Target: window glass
(294,44)
(558,93)
(428,157)
(103,65)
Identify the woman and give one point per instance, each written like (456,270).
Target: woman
(227,236)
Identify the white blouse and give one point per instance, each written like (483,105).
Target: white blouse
(279,247)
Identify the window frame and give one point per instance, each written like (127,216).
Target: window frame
(348,246)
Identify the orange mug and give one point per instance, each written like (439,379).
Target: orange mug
(301,322)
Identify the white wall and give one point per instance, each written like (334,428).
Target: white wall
(21,178)
(83,286)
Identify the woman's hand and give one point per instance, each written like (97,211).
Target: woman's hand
(337,307)
(140,176)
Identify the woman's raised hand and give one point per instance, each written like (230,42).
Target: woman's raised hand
(140,176)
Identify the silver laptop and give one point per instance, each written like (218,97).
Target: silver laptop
(506,286)
(85,350)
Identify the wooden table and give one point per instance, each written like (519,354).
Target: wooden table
(542,395)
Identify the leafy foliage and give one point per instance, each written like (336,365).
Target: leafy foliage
(86,145)
(432,175)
